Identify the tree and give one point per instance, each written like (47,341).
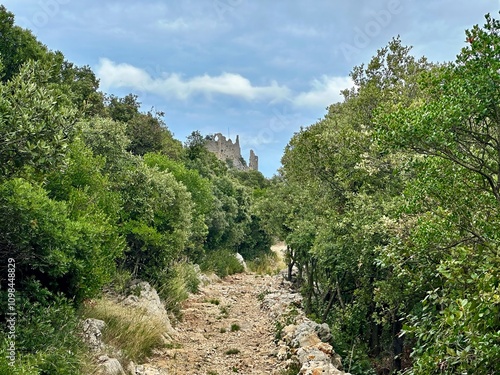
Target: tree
(17,46)
(454,197)
(201,195)
(34,127)
(156,219)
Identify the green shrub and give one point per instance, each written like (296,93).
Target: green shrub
(175,287)
(267,264)
(47,336)
(222,263)
(74,255)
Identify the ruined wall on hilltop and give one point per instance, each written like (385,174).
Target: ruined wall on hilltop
(227,151)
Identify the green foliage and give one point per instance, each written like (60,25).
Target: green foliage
(72,255)
(59,350)
(156,219)
(180,280)
(389,207)
(89,183)
(17,46)
(123,109)
(195,146)
(266,264)
(222,263)
(35,124)
(201,196)
(106,138)
(230,216)
(257,242)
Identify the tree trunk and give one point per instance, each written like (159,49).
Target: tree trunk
(397,343)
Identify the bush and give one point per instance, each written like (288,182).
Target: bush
(268,264)
(70,254)
(175,288)
(222,263)
(47,340)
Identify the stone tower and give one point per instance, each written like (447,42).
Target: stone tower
(254,161)
(229,152)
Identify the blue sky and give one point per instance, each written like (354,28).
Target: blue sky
(260,69)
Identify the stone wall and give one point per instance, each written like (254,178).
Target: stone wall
(227,151)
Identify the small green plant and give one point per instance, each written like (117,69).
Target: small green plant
(224,311)
(223,330)
(291,316)
(120,281)
(266,264)
(232,351)
(236,369)
(212,373)
(173,345)
(175,287)
(214,301)
(292,369)
(278,331)
(262,295)
(235,327)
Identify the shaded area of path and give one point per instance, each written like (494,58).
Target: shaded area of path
(224,331)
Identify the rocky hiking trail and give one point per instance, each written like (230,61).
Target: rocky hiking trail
(247,324)
(224,331)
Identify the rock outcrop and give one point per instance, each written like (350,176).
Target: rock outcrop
(301,340)
(140,295)
(143,296)
(92,334)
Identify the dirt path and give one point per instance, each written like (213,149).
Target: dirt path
(224,331)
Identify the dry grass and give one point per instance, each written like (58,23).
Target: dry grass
(131,330)
(268,264)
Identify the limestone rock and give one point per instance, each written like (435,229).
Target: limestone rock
(92,334)
(110,366)
(131,368)
(142,295)
(240,259)
(205,279)
(307,341)
(148,370)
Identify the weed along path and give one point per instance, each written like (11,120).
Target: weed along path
(224,331)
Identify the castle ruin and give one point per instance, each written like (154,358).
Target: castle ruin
(229,152)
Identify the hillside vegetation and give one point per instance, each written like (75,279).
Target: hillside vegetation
(389,207)
(94,192)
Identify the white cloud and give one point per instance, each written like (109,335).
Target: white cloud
(114,75)
(323,92)
(178,24)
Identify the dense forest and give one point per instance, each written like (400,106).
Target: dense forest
(94,192)
(388,206)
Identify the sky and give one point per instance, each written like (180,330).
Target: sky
(261,69)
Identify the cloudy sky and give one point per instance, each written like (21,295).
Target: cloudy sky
(257,68)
